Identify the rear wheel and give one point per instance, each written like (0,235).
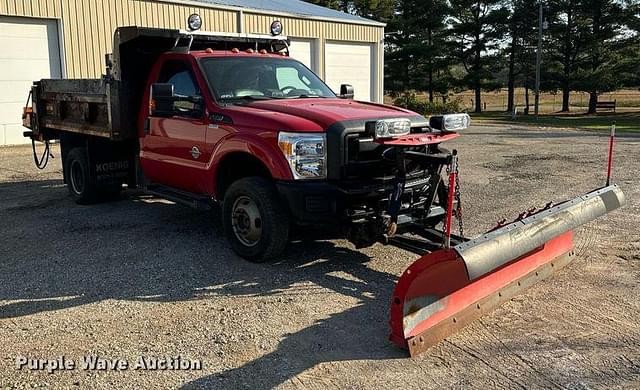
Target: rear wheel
(80,181)
(255,221)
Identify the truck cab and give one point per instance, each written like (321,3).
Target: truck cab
(233,122)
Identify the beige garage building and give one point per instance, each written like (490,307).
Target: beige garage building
(68,38)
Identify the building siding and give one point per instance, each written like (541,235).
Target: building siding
(87,26)
(308,28)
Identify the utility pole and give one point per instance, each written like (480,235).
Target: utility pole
(538,59)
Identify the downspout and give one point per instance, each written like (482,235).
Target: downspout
(240,21)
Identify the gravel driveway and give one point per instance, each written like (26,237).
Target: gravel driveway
(142,277)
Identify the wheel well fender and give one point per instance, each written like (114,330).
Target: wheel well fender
(246,155)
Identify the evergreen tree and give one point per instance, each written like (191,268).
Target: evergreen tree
(434,56)
(416,48)
(373,9)
(340,5)
(568,34)
(602,69)
(477,29)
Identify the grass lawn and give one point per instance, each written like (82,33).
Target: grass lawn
(625,122)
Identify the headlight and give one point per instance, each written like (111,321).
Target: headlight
(390,128)
(305,154)
(450,122)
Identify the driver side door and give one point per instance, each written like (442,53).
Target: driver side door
(172,150)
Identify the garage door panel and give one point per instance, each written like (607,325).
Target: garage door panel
(22,28)
(350,63)
(14,86)
(30,51)
(351,59)
(302,50)
(13,135)
(15,47)
(11,112)
(25,71)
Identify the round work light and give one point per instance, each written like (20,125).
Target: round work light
(276,27)
(194,22)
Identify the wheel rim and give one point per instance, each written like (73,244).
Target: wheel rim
(77,178)
(246,221)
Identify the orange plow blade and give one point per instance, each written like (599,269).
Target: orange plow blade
(445,290)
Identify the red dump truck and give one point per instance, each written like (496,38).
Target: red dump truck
(230,121)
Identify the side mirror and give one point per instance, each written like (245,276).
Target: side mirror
(346,91)
(161,100)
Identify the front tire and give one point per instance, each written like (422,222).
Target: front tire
(255,221)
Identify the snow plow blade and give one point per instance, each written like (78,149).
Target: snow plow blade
(447,289)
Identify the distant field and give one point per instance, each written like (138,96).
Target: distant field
(625,122)
(627,100)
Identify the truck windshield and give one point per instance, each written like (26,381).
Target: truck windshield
(248,78)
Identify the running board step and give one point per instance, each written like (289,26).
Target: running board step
(198,202)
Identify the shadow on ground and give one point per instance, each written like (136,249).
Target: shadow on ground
(58,255)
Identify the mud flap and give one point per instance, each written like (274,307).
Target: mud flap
(445,290)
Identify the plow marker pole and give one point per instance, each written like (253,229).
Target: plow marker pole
(612,140)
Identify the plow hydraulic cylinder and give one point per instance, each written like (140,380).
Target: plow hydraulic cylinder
(453,171)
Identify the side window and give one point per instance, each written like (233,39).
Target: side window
(180,75)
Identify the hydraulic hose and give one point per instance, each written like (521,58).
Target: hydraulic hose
(41,162)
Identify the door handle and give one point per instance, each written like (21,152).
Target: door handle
(220,118)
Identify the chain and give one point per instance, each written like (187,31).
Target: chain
(444,235)
(458,197)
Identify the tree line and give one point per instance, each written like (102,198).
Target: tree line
(444,46)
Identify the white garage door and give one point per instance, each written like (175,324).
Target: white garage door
(302,50)
(350,63)
(29,51)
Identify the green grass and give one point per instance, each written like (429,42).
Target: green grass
(625,122)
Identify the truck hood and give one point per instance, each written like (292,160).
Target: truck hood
(325,112)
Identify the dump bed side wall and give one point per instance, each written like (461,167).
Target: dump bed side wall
(82,106)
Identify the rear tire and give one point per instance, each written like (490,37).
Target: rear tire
(80,182)
(255,220)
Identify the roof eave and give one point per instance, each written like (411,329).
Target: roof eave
(364,21)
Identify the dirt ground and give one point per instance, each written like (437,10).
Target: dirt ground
(144,277)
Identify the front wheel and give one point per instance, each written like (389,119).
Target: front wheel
(255,221)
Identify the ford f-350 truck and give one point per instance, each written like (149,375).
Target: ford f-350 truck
(231,121)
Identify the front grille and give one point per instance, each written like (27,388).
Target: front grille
(353,156)
(368,160)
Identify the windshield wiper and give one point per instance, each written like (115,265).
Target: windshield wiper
(307,97)
(246,98)
(253,97)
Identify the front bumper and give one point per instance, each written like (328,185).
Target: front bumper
(322,202)
(314,202)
